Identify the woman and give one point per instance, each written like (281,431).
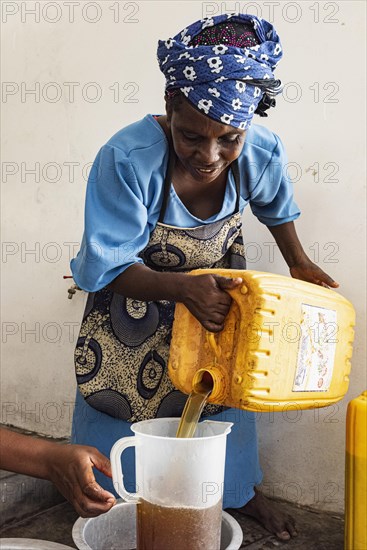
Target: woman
(166,196)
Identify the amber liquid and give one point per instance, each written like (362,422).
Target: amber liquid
(193,409)
(166,528)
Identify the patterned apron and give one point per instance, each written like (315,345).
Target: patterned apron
(123,346)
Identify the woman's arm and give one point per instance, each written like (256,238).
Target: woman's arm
(204,295)
(69,467)
(300,265)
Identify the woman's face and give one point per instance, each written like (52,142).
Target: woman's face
(204,147)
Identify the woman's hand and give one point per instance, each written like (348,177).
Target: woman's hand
(300,265)
(70,468)
(206,298)
(310,272)
(204,295)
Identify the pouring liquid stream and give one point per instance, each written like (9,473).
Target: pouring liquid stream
(194,407)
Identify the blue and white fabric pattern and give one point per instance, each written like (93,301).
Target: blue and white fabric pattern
(217,79)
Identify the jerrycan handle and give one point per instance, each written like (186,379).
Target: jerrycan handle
(210,338)
(117,475)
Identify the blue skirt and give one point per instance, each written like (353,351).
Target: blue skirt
(242,470)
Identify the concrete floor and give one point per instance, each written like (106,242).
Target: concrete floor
(317,531)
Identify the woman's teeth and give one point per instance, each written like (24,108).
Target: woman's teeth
(207,170)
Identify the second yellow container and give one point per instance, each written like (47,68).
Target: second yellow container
(284,341)
(356,475)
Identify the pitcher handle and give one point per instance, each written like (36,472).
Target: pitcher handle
(117,475)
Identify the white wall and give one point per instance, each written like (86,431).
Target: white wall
(302,456)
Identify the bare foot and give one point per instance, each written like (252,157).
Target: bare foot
(265,512)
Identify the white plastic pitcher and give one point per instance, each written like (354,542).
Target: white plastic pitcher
(179,483)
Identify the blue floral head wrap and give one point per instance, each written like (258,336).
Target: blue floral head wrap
(216,79)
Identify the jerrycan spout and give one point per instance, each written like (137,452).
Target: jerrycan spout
(210,379)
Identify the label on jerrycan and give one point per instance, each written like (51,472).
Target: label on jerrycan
(316,351)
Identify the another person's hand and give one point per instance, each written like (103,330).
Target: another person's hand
(70,468)
(206,298)
(310,272)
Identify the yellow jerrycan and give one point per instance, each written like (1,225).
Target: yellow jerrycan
(284,340)
(356,475)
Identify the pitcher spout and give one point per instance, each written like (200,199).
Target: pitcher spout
(210,428)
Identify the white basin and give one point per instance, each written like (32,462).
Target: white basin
(116,530)
(31,544)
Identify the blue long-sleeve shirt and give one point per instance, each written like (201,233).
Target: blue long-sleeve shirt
(125,193)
